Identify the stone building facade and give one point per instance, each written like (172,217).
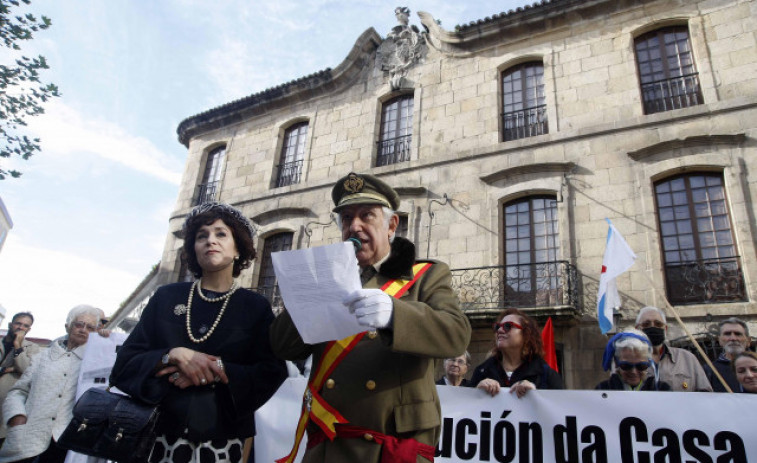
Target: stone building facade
(511,140)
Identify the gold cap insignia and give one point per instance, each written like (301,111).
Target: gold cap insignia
(353,184)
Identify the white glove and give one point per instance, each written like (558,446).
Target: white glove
(372,307)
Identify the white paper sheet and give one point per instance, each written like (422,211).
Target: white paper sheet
(313,282)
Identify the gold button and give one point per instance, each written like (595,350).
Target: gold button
(368,437)
(685,385)
(330,384)
(372,334)
(370,385)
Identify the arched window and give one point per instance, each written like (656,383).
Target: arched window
(267,279)
(533,276)
(699,253)
(669,78)
(208,190)
(292,155)
(524,108)
(396,131)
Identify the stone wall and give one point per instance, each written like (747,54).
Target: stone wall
(600,157)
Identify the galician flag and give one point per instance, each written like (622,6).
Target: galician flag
(618,258)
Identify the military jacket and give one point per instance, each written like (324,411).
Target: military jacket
(386,383)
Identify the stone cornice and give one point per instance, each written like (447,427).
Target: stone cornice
(277,214)
(319,83)
(544,167)
(411,191)
(523,22)
(678,143)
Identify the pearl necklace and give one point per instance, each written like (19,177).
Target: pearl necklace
(225,298)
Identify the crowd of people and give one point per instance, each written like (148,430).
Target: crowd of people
(211,353)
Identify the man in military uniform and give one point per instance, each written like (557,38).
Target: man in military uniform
(383,387)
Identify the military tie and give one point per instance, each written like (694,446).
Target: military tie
(366,273)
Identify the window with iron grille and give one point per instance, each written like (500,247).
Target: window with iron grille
(524,108)
(700,256)
(267,278)
(292,155)
(402,227)
(532,273)
(209,189)
(396,131)
(668,75)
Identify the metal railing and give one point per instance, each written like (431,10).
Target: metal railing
(290,173)
(545,284)
(705,281)
(673,93)
(524,123)
(206,192)
(393,151)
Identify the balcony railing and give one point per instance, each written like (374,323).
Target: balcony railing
(674,93)
(206,192)
(273,295)
(524,123)
(540,285)
(393,151)
(705,281)
(289,173)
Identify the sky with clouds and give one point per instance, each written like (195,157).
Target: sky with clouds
(90,212)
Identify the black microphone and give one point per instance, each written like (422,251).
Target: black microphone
(356,242)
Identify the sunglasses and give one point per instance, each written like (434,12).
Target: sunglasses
(628,366)
(506,326)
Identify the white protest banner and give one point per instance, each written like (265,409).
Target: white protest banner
(561,426)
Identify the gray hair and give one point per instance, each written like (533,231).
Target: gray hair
(733,321)
(633,344)
(650,308)
(84,309)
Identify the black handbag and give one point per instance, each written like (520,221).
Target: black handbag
(111,426)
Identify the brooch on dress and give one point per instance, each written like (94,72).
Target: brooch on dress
(180,309)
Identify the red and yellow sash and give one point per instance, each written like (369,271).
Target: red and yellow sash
(313,406)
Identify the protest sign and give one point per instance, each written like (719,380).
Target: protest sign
(561,426)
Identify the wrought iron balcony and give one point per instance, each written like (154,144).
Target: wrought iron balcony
(273,295)
(674,93)
(524,123)
(393,151)
(290,173)
(206,192)
(705,281)
(487,290)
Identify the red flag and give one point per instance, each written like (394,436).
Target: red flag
(548,339)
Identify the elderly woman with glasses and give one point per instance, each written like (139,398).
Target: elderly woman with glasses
(455,370)
(516,359)
(631,352)
(40,404)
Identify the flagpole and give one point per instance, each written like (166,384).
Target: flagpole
(691,337)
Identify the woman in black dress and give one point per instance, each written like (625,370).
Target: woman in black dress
(201,350)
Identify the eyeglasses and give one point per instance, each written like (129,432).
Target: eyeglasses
(628,366)
(457,361)
(79,325)
(650,323)
(506,326)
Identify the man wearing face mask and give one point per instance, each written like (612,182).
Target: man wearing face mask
(677,367)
